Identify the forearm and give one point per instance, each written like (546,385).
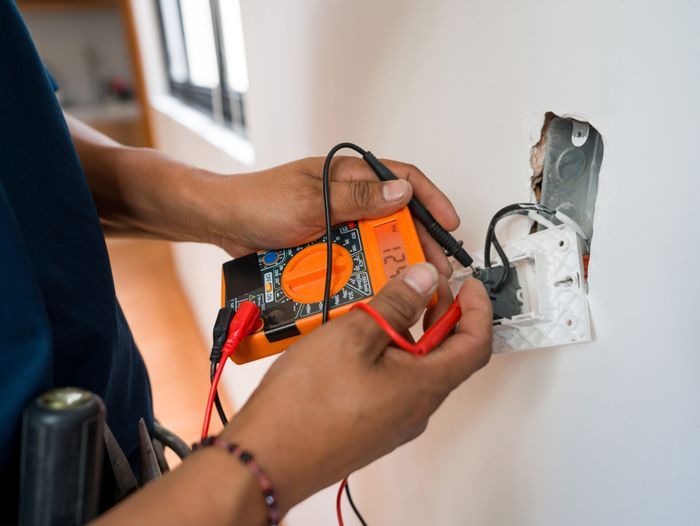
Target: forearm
(211,487)
(141,192)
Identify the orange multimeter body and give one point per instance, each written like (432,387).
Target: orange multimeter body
(287,284)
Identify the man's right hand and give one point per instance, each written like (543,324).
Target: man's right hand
(343,396)
(334,402)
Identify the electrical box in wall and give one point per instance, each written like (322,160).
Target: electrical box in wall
(538,283)
(546,301)
(573,153)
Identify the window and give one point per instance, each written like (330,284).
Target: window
(205,57)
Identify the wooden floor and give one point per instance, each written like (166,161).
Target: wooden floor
(175,352)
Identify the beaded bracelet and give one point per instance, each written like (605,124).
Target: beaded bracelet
(273,514)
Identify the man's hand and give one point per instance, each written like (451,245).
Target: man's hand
(283,206)
(141,192)
(342,397)
(334,402)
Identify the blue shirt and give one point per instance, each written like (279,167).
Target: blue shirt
(60,322)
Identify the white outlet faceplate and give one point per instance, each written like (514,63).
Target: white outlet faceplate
(553,292)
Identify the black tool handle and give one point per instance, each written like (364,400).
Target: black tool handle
(451,246)
(61,463)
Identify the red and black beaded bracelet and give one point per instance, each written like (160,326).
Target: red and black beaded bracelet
(273,514)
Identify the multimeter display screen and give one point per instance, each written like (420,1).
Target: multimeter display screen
(391,249)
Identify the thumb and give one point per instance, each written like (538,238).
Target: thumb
(361,199)
(400,303)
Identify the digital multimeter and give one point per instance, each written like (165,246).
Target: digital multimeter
(288,284)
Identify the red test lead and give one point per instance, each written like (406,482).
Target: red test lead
(431,338)
(244,322)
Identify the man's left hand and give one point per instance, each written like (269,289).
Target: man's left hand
(283,206)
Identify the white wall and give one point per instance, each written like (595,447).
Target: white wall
(599,433)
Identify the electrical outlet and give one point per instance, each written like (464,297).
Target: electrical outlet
(548,288)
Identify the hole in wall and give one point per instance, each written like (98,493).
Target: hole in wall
(537,153)
(565,165)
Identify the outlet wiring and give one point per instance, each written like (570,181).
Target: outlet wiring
(528,209)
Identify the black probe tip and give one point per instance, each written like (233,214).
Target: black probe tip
(464,259)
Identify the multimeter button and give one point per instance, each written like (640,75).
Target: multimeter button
(270,258)
(304,277)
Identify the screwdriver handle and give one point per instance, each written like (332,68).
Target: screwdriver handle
(61,458)
(451,246)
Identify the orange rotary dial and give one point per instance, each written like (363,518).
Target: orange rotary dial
(304,277)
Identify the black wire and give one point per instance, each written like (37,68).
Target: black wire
(352,504)
(170,439)
(329,224)
(506,265)
(217,400)
(514,209)
(219,335)
(329,264)
(517,208)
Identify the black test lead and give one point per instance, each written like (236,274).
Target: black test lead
(451,246)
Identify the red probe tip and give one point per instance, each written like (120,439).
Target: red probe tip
(246,320)
(438,331)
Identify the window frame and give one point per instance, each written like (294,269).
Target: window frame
(223,104)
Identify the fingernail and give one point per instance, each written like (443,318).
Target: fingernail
(395,190)
(422,278)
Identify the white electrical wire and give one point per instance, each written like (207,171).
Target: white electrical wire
(566,220)
(538,218)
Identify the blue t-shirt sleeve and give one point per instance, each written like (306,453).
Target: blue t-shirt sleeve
(60,321)
(26,354)
(52,81)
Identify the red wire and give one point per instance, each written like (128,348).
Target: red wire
(399,340)
(338,510)
(245,321)
(213,388)
(438,331)
(431,338)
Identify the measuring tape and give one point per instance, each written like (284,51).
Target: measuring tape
(287,284)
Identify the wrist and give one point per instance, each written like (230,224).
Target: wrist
(288,481)
(197,205)
(221,201)
(207,488)
(247,459)
(224,203)
(234,492)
